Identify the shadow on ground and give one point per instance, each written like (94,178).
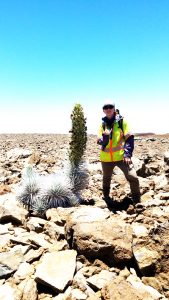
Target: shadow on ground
(121,205)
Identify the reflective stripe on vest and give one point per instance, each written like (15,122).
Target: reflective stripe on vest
(114,149)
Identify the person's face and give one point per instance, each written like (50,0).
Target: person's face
(109,111)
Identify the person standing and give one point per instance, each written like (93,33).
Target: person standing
(117,145)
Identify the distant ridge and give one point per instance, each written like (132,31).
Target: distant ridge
(149,134)
(144,133)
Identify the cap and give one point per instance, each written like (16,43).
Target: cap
(107,103)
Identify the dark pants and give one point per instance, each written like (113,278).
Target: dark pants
(129,173)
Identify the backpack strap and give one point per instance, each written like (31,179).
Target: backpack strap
(103,125)
(120,124)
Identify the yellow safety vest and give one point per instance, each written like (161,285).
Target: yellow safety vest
(114,151)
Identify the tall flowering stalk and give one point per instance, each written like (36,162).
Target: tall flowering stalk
(78,135)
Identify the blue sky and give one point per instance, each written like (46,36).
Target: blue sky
(54,54)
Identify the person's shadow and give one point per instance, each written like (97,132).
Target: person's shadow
(120,205)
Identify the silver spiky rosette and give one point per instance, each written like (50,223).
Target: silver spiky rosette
(29,187)
(62,189)
(78,176)
(57,191)
(39,205)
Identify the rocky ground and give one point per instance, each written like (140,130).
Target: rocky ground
(88,251)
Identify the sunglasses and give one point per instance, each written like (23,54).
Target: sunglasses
(109,106)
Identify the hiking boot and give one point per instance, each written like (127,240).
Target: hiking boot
(136,199)
(130,209)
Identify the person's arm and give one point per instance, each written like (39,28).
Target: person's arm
(103,141)
(129,146)
(129,143)
(103,137)
(99,137)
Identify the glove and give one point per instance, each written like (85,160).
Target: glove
(103,141)
(105,138)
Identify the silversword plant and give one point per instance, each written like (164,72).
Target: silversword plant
(63,189)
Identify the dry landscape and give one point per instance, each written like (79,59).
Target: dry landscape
(88,251)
